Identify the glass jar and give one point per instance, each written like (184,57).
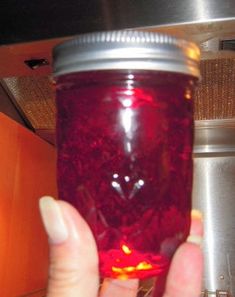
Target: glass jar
(124,140)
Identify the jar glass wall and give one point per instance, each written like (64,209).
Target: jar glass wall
(124,140)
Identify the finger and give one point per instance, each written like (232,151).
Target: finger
(73,270)
(185,274)
(119,288)
(184,278)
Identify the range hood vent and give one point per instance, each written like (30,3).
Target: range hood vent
(31,29)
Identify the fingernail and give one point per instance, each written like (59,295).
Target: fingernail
(196,214)
(53,220)
(196,239)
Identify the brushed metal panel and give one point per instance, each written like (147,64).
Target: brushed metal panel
(23,21)
(214,136)
(214,195)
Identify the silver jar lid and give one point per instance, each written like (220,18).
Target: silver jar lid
(131,50)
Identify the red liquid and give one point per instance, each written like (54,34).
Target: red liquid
(124,161)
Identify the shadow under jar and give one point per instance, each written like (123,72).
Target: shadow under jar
(124,140)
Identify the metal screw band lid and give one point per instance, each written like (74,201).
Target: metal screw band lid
(126,50)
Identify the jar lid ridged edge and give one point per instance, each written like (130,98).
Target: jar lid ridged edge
(114,40)
(125,36)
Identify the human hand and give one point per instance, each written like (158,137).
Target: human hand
(73,270)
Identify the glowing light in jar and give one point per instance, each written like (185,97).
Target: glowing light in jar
(126,249)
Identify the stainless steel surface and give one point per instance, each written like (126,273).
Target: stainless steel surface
(50,19)
(126,50)
(162,12)
(206,22)
(215,136)
(213,193)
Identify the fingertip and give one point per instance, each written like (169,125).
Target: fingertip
(73,267)
(196,214)
(196,229)
(53,220)
(68,233)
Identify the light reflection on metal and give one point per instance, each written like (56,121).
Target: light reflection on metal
(210,236)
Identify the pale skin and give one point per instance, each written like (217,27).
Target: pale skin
(73,270)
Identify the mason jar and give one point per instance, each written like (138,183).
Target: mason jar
(124,140)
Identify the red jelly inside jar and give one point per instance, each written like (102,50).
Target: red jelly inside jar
(124,144)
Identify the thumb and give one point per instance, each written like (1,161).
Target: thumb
(73,270)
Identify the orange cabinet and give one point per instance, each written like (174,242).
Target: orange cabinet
(27,171)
